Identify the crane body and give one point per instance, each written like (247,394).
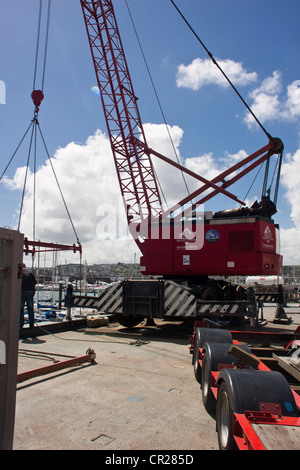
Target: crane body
(182,243)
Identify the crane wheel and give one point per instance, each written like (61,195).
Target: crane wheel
(128,322)
(209,294)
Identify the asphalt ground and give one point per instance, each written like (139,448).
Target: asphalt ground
(140,395)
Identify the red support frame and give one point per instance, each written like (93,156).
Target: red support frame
(136,174)
(49,246)
(244,434)
(253,160)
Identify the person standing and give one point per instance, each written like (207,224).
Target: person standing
(27,294)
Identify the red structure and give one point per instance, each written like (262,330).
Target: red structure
(241,242)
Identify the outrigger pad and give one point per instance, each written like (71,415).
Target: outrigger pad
(281,317)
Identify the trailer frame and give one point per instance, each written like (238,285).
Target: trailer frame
(268,427)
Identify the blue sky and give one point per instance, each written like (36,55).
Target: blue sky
(256,42)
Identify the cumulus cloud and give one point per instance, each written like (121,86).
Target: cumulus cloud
(166,140)
(88,180)
(293,100)
(290,238)
(201,72)
(271,102)
(90,187)
(95,90)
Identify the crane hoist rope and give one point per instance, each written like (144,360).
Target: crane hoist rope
(265,190)
(158,101)
(222,71)
(37,96)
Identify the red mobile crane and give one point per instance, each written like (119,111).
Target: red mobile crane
(181,245)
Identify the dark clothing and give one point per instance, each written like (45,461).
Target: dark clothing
(28,291)
(27,297)
(28,282)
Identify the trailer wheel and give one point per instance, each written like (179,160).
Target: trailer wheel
(214,356)
(197,368)
(225,420)
(245,389)
(204,335)
(208,397)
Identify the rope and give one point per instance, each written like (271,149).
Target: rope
(33,138)
(56,179)
(254,179)
(5,170)
(25,179)
(46,43)
(156,95)
(38,44)
(222,71)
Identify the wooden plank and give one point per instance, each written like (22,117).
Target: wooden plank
(278,437)
(287,364)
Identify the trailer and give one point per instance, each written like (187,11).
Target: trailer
(253,392)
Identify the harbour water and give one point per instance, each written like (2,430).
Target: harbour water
(47,305)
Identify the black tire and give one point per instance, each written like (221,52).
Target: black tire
(225,420)
(204,335)
(208,397)
(128,322)
(209,294)
(244,389)
(197,367)
(214,355)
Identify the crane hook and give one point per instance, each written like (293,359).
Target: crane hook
(37,97)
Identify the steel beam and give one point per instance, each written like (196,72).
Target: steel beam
(60,365)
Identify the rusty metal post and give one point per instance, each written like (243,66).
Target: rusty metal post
(11,252)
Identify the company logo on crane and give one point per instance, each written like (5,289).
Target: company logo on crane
(268,238)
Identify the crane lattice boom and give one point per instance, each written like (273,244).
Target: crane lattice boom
(135,171)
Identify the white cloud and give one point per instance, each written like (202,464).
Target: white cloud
(204,165)
(266,104)
(290,238)
(170,179)
(89,184)
(269,103)
(90,187)
(293,99)
(202,72)
(95,90)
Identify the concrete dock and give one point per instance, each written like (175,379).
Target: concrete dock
(140,395)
